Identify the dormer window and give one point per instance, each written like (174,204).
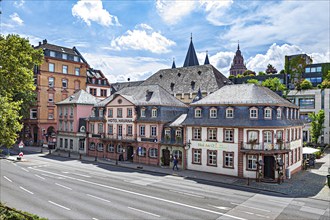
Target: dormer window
(229,112)
(213,113)
(143,112)
(101,113)
(154,112)
(278,113)
(93,113)
(198,113)
(253,112)
(52,53)
(268,113)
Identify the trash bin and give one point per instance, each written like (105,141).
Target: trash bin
(328,180)
(288,173)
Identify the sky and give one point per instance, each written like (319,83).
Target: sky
(134,39)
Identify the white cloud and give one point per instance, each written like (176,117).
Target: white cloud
(117,68)
(93,11)
(19,4)
(173,11)
(16,19)
(142,38)
(216,10)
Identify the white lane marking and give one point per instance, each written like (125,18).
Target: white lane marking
(187,194)
(276,201)
(65,172)
(63,207)
(250,213)
(63,186)
(250,207)
(7,179)
(94,218)
(39,176)
(98,198)
(220,207)
(81,175)
(139,210)
(263,216)
(15,164)
(24,169)
(140,194)
(26,190)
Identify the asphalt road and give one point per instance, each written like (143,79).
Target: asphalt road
(59,188)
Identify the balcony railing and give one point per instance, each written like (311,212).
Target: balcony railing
(119,137)
(265,146)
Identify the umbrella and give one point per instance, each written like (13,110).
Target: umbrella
(309,150)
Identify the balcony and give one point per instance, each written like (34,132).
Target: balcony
(266,147)
(116,137)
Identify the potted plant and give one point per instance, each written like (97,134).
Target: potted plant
(167,138)
(252,142)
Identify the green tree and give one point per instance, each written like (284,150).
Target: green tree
(274,84)
(17,60)
(261,73)
(248,73)
(270,69)
(305,84)
(295,67)
(317,121)
(253,81)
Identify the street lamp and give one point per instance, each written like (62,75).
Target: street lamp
(187,147)
(280,164)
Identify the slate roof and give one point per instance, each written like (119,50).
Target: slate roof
(244,94)
(81,97)
(53,47)
(120,85)
(191,57)
(205,77)
(145,95)
(206,59)
(95,73)
(177,122)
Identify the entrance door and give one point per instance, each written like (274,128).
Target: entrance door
(166,156)
(269,167)
(35,134)
(130,153)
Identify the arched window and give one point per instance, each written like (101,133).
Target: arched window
(153,152)
(141,151)
(119,149)
(198,112)
(99,147)
(268,113)
(92,146)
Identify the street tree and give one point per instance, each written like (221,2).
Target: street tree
(274,84)
(317,121)
(253,81)
(17,60)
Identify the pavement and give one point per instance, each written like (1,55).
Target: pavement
(310,183)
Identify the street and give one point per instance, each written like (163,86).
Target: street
(60,188)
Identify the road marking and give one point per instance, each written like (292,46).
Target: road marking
(81,175)
(139,210)
(276,201)
(26,190)
(24,169)
(63,186)
(59,205)
(39,176)
(187,194)
(15,164)
(140,194)
(98,198)
(263,216)
(7,179)
(250,207)
(94,218)
(250,213)
(220,207)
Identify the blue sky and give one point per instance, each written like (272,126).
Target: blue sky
(134,39)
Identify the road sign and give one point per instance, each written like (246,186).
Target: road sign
(21,144)
(20,154)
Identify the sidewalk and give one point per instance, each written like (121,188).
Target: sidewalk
(307,183)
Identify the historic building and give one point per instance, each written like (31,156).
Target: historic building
(128,125)
(72,112)
(97,84)
(61,74)
(254,135)
(237,66)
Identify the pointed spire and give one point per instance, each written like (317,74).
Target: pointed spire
(206,59)
(173,64)
(238,45)
(199,96)
(191,57)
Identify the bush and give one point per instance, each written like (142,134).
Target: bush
(7,213)
(318,154)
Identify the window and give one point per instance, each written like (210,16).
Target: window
(71,111)
(141,151)
(52,53)
(211,134)
(111,148)
(197,133)
(129,113)
(59,111)
(198,113)
(229,113)
(279,113)
(129,130)
(50,97)
(119,149)
(65,69)
(77,71)
(100,147)
(92,91)
(268,113)
(71,144)
(213,113)
(251,162)
(253,113)
(153,152)
(110,113)
(33,113)
(103,92)
(64,83)
(228,159)
(143,112)
(64,56)
(197,156)
(153,131)
(81,145)
(71,126)
(154,113)
(211,157)
(167,134)
(66,111)
(268,137)
(142,130)
(307,103)
(66,126)
(51,67)
(110,129)
(279,135)
(100,128)
(252,136)
(177,154)
(228,135)
(178,133)
(61,142)
(119,112)
(101,112)
(65,143)
(75,58)
(93,112)
(50,113)
(60,125)
(92,146)
(51,82)
(92,128)
(120,130)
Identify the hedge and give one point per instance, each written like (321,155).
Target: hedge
(7,213)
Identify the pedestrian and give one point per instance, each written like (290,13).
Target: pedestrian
(175,163)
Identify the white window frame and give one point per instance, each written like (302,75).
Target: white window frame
(268,113)
(33,112)
(251,161)
(77,71)
(52,53)
(198,113)
(253,113)
(229,113)
(143,112)
(228,160)
(154,113)
(51,67)
(64,83)
(213,113)
(278,113)
(153,130)
(153,152)
(229,135)
(142,130)
(65,69)
(51,82)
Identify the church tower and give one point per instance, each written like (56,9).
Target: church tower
(191,57)
(238,66)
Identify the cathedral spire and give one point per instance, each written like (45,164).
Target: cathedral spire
(173,64)
(238,45)
(191,57)
(206,59)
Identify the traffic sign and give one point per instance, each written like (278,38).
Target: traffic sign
(21,144)
(20,154)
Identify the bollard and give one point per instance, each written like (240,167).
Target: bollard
(116,162)
(79,156)
(248,181)
(95,158)
(69,154)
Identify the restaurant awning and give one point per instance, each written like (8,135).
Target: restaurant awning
(309,150)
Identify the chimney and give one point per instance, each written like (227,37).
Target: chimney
(44,41)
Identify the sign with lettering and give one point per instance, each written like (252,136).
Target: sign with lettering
(208,144)
(120,120)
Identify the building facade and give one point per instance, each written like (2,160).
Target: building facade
(97,84)
(237,66)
